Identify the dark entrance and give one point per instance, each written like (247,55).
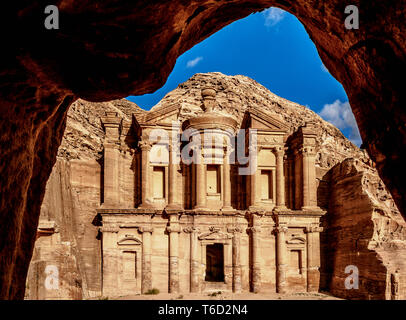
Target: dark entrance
(215,262)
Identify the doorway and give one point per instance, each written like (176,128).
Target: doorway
(215,262)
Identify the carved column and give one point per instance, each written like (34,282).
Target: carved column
(313,257)
(256,254)
(280,179)
(290,183)
(110,257)
(236,258)
(227,183)
(194,262)
(306,181)
(146,277)
(298,177)
(173,231)
(145,174)
(201,188)
(111,145)
(309,178)
(173,199)
(281,259)
(254,179)
(228,264)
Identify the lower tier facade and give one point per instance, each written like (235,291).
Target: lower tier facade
(201,251)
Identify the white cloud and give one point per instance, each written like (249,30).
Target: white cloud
(194,62)
(340,114)
(273,16)
(323,67)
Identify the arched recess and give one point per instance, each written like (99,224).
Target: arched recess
(112,49)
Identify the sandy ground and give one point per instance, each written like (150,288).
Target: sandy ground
(228,296)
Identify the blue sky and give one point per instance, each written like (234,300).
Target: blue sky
(273,48)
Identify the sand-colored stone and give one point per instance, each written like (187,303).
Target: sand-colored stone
(168,249)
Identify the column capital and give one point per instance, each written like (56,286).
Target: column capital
(112,229)
(310,229)
(191,230)
(281,229)
(112,144)
(234,230)
(175,229)
(307,151)
(145,145)
(111,120)
(279,150)
(254,230)
(146,229)
(257,213)
(254,148)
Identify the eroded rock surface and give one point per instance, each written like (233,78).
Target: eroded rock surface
(110,49)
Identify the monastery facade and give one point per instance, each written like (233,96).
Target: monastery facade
(208,203)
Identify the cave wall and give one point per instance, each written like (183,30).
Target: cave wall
(67,237)
(363,229)
(111,49)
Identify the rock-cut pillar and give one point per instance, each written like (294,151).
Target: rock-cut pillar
(194,259)
(237,287)
(313,257)
(226,183)
(173,231)
(201,188)
(146,272)
(309,179)
(145,147)
(281,259)
(111,123)
(256,254)
(280,179)
(173,192)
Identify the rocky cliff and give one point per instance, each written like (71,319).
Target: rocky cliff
(362,219)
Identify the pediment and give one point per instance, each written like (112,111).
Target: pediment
(134,241)
(164,115)
(296,240)
(257,119)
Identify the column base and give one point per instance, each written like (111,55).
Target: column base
(256,280)
(227,208)
(173,206)
(237,287)
(201,208)
(109,205)
(281,279)
(311,208)
(255,208)
(147,205)
(313,279)
(281,208)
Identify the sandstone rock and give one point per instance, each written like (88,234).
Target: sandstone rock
(363,225)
